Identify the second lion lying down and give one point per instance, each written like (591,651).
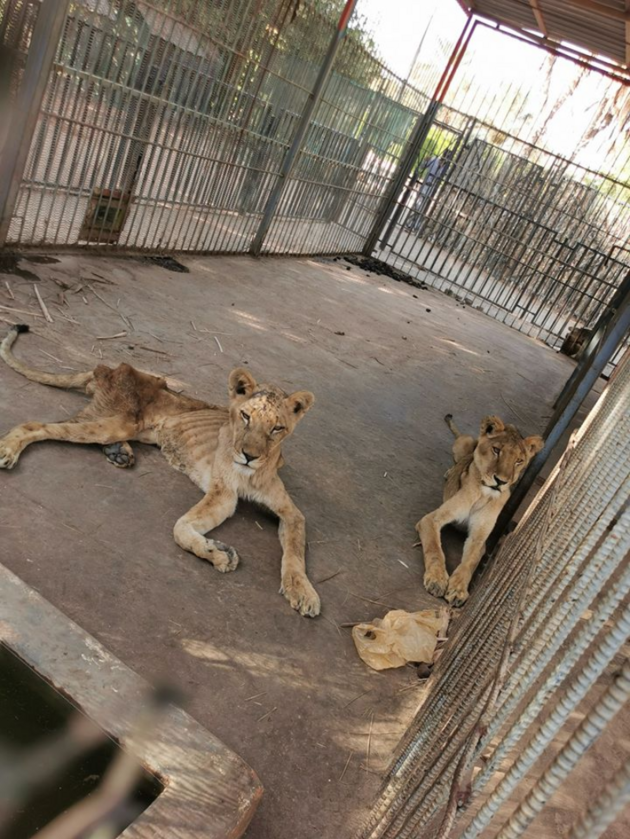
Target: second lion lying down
(476,489)
(230,453)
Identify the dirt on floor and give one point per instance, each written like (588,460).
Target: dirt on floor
(386,361)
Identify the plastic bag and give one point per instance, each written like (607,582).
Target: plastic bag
(400,637)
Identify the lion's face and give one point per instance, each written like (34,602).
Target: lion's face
(502,454)
(261,417)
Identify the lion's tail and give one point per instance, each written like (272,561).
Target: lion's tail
(71,380)
(448,419)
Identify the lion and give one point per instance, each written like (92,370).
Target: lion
(476,489)
(228,452)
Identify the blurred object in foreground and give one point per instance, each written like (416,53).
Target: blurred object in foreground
(62,777)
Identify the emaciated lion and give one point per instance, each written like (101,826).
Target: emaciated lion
(476,489)
(230,453)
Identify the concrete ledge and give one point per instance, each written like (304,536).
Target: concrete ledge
(209,791)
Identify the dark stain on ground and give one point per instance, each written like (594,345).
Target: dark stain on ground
(39,259)
(9,264)
(167,262)
(376,266)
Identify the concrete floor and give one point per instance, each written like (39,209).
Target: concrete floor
(288,694)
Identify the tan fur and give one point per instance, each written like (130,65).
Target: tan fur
(476,489)
(229,452)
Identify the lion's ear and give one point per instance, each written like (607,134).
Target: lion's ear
(491,426)
(534,444)
(241,383)
(299,403)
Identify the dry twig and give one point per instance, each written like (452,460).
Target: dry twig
(109,337)
(346,766)
(42,305)
(268,714)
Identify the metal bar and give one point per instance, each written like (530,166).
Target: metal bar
(302,128)
(566,760)
(605,352)
(520,682)
(594,341)
(41,54)
(414,145)
(612,642)
(612,802)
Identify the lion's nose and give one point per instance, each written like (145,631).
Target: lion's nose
(500,483)
(249,457)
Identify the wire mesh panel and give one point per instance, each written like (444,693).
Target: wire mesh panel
(165,124)
(157,129)
(530,655)
(538,240)
(530,238)
(353,145)
(17,18)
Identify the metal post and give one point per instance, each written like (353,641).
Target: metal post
(303,126)
(23,118)
(416,141)
(617,330)
(599,331)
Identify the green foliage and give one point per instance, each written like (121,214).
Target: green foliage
(437,141)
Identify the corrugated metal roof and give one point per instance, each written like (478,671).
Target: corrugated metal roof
(601,27)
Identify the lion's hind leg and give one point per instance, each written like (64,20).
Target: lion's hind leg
(104,431)
(120,455)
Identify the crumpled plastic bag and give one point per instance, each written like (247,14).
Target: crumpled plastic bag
(400,637)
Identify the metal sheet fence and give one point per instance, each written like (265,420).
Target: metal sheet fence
(534,649)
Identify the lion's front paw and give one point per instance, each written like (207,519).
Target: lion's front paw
(301,595)
(457,592)
(8,455)
(436,581)
(222,556)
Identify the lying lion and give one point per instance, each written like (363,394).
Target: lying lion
(230,453)
(476,490)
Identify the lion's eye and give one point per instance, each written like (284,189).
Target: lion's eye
(496,451)
(245,417)
(277,429)
(518,462)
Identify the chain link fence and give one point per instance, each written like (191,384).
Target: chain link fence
(535,668)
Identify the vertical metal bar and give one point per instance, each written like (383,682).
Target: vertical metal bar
(566,760)
(42,50)
(302,128)
(595,339)
(418,137)
(612,802)
(566,703)
(613,339)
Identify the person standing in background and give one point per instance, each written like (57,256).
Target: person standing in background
(436,167)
